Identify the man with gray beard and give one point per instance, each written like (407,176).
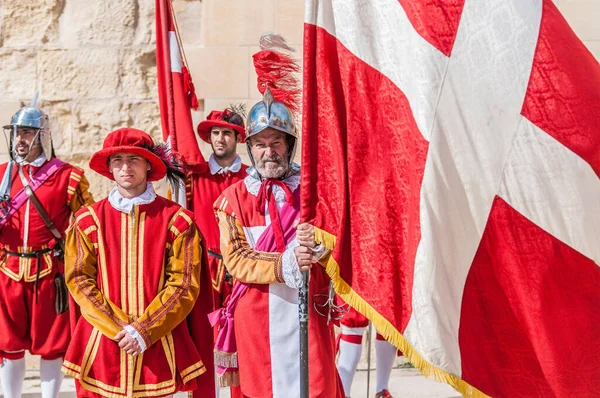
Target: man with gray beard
(261,247)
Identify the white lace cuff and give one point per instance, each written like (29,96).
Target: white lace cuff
(137,336)
(291,270)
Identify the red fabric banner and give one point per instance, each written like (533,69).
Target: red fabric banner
(175,89)
(450,161)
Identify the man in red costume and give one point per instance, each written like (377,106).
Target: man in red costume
(257,218)
(223,130)
(33,296)
(133,265)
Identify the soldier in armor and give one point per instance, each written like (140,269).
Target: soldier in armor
(38,195)
(257,220)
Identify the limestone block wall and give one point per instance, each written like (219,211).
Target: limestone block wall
(93,63)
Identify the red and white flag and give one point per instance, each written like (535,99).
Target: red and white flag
(451,158)
(175,89)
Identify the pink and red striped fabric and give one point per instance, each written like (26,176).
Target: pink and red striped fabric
(451,158)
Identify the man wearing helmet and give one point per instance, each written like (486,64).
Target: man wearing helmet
(32,292)
(260,246)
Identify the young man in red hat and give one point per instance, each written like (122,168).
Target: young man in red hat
(133,265)
(223,130)
(33,296)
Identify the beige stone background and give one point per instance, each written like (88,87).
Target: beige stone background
(93,61)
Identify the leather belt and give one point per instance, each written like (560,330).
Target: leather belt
(33,254)
(214,254)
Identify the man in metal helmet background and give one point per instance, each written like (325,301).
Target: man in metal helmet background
(38,195)
(260,247)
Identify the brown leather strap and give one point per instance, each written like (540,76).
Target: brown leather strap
(36,203)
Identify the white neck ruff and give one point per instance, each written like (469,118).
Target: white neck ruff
(253,186)
(215,168)
(125,205)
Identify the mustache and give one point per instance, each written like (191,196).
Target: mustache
(272,158)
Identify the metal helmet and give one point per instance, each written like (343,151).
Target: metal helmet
(31,117)
(276,115)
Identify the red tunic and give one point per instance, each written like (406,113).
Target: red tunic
(140,269)
(202,189)
(266,317)
(27,323)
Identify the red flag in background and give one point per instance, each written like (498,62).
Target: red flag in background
(451,159)
(175,88)
(177,98)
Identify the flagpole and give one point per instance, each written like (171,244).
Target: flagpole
(303,315)
(369,337)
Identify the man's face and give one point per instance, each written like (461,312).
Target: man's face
(270,151)
(223,141)
(128,169)
(25,136)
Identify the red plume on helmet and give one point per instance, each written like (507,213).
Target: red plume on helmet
(276,70)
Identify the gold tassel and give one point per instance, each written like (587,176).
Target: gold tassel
(229,379)
(387,330)
(226,359)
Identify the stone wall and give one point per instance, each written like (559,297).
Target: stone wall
(93,63)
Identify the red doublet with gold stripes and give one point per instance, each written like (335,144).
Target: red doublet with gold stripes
(28,320)
(140,269)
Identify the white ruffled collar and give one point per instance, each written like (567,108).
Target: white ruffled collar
(253,186)
(215,168)
(125,205)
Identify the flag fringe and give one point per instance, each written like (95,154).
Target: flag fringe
(386,329)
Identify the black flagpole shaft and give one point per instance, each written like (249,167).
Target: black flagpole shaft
(303,313)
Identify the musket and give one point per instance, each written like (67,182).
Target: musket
(303,315)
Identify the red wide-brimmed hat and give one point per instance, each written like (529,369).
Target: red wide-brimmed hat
(227,118)
(128,140)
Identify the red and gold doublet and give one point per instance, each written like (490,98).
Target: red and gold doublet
(202,189)
(140,269)
(27,323)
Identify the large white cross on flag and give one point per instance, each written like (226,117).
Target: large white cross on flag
(451,159)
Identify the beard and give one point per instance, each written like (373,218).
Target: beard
(223,153)
(274,166)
